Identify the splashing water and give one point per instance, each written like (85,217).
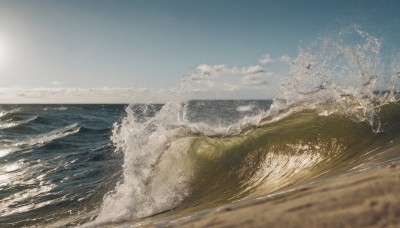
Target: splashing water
(345,77)
(334,77)
(145,192)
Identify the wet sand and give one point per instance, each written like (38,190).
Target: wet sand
(369,198)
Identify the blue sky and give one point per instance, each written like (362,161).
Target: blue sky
(151,45)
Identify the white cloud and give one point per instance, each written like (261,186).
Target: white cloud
(252,70)
(248,76)
(209,70)
(285,59)
(269,74)
(265,59)
(253,80)
(56,83)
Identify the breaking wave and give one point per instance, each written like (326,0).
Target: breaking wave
(335,112)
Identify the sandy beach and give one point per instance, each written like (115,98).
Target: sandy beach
(369,198)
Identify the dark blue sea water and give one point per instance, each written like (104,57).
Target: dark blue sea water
(58,161)
(55,160)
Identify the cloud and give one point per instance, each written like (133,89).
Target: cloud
(104,95)
(265,59)
(252,70)
(253,80)
(285,59)
(200,90)
(269,74)
(248,76)
(209,83)
(230,87)
(209,70)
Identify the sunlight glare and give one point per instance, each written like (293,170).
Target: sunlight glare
(3,52)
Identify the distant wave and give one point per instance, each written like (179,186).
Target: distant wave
(13,124)
(3,113)
(61,108)
(39,140)
(6,114)
(45,138)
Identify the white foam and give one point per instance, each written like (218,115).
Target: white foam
(61,108)
(152,182)
(6,151)
(3,113)
(17,123)
(244,108)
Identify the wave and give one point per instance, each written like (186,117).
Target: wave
(334,111)
(60,108)
(3,113)
(195,172)
(8,114)
(45,138)
(13,124)
(26,186)
(38,140)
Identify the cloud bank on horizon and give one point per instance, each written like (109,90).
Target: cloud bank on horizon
(64,95)
(207,82)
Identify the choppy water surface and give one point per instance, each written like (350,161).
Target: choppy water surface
(56,160)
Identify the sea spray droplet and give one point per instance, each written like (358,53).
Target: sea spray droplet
(346,74)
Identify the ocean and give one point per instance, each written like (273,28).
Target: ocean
(69,165)
(56,160)
(336,113)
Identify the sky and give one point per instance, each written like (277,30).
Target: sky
(97,51)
